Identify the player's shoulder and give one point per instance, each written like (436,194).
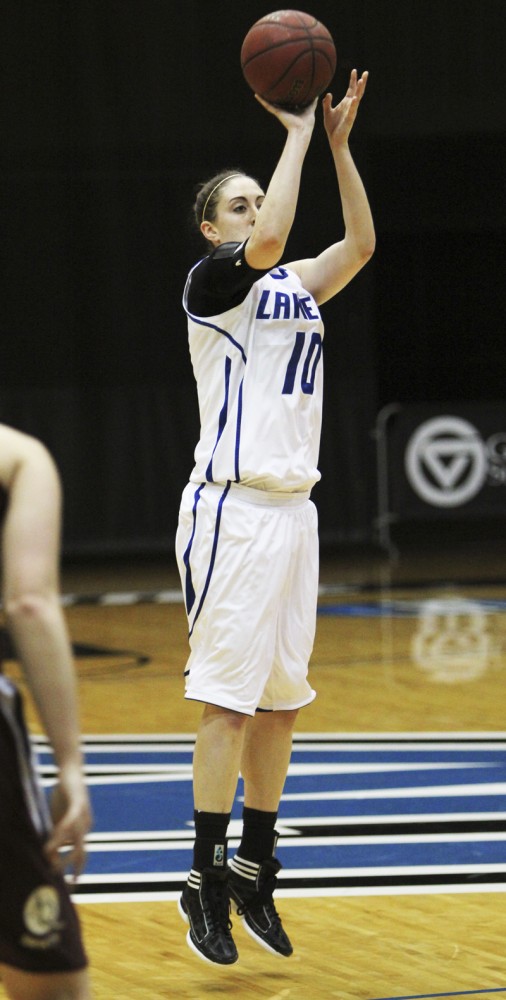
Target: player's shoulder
(221,260)
(227,251)
(223,252)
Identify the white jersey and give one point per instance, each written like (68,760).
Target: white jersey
(259,372)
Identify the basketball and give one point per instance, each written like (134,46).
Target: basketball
(288,58)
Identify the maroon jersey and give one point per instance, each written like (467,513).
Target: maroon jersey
(39,928)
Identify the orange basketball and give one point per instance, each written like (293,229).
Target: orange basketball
(288,58)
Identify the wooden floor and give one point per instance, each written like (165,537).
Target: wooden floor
(378,674)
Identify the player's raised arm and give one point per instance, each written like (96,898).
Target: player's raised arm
(288,58)
(275,218)
(330,271)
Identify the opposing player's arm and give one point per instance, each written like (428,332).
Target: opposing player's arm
(31,524)
(30,571)
(31,599)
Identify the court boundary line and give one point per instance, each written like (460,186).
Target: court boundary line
(433,996)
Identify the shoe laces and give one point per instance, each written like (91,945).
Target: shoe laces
(263,896)
(217,902)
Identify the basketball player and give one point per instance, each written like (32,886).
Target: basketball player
(41,951)
(247,542)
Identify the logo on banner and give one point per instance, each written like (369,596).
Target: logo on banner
(446,461)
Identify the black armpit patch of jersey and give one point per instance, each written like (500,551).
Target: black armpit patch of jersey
(226,250)
(221,280)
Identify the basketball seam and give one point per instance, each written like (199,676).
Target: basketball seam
(287,41)
(289,68)
(282,77)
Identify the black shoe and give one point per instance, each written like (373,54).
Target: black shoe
(251,886)
(205,906)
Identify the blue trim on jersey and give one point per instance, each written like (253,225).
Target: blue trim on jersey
(222,419)
(189,588)
(238,433)
(218,329)
(213,552)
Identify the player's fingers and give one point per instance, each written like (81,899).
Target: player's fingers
(362,84)
(352,85)
(52,852)
(66,854)
(65,833)
(75,861)
(271,108)
(263,102)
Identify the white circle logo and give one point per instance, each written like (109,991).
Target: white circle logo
(446,461)
(42,911)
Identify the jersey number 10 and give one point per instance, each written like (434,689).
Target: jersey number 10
(310,364)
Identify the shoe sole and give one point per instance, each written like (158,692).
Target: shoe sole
(193,947)
(256,937)
(182,913)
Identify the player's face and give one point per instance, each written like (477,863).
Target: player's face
(236,211)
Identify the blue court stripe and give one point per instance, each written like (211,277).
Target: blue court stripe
(432,996)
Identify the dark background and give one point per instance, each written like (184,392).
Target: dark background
(111,111)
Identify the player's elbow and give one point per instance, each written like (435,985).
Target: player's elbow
(366,248)
(27,608)
(264,250)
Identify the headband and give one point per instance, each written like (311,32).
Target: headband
(215,188)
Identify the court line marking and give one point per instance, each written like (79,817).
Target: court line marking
(338,840)
(174,595)
(172,895)
(432,996)
(381,741)
(360,740)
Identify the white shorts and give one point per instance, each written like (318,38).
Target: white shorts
(249,568)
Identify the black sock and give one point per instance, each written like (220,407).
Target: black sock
(210,848)
(259,836)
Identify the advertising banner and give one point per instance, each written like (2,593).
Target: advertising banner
(442,460)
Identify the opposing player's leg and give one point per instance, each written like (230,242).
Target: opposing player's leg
(21,985)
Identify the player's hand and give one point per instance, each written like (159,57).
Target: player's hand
(71,815)
(303,119)
(339,120)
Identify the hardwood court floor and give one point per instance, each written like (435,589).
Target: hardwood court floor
(442,670)
(350,949)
